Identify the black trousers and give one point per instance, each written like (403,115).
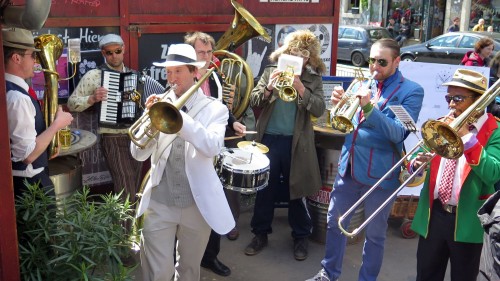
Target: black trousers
(41,178)
(434,251)
(279,154)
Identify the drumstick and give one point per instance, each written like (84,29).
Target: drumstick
(232,137)
(249,132)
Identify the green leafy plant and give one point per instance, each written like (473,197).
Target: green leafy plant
(82,237)
(363,4)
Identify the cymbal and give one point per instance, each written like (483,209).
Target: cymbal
(253,146)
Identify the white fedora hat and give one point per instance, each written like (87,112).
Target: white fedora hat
(180,54)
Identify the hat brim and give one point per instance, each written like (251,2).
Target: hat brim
(197,64)
(20,46)
(464,85)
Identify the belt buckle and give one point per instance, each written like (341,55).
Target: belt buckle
(449,208)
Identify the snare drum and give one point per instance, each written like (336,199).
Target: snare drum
(242,171)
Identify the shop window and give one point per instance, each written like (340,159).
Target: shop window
(489,10)
(354,6)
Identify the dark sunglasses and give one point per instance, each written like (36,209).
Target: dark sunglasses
(456,99)
(381,62)
(117,51)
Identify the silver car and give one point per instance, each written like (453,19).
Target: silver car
(354,42)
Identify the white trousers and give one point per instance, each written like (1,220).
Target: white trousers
(162,224)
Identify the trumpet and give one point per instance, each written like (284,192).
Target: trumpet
(162,116)
(284,84)
(344,110)
(439,138)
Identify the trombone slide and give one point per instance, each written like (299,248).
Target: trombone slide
(357,230)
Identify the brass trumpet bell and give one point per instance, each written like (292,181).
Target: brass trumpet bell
(165,117)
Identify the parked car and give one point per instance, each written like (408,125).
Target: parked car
(354,42)
(448,48)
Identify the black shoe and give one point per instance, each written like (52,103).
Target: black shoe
(300,248)
(217,267)
(258,243)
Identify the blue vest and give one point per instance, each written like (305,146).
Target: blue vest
(43,159)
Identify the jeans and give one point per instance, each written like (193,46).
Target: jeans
(345,193)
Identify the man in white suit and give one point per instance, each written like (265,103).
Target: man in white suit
(184,197)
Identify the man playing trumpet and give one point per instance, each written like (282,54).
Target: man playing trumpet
(367,154)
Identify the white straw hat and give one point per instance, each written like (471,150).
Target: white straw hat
(180,54)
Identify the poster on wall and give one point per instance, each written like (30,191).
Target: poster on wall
(430,76)
(94,169)
(322,31)
(256,52)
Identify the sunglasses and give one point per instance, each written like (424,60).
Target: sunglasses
(381,62)
(117,51)
(456,99)
(299,52)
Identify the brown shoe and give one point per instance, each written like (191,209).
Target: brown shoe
(300,248)
(233,234)
(258,243)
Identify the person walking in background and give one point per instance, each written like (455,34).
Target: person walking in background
(480,56)
(368,153)
(28,133)
(454,189)
(286,129)
(455,26)
(479,26)
(89,93)
(183,198)
(490,28)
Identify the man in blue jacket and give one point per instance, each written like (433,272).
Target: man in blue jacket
(372,149)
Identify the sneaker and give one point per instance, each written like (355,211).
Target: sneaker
(321,276)
(300,249)
(233,234)
(258,243)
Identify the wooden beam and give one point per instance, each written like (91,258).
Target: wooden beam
(9,256)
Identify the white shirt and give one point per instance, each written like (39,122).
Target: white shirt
(461,163)
(21,121)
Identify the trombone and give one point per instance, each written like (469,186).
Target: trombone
(438,137)
(162,116)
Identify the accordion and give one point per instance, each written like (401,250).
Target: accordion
(119,110)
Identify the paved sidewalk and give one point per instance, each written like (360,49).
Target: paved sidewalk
(276,261)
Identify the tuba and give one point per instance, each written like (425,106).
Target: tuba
(236,73)
(51,48)
(344,110)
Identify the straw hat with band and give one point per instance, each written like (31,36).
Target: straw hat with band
(468,79)
(180,54)
(18,38)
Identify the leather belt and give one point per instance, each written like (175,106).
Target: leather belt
(452,209)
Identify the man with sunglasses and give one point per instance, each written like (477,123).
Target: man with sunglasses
(29,135)
(125,171)
(454,190)
(368,153)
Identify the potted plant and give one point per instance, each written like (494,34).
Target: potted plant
(81,237)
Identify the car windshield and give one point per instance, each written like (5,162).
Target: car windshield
(376,34)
